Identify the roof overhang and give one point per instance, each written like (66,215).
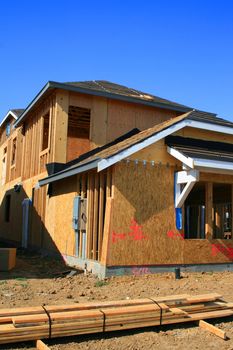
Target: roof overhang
(55,85)
(188,162)
(10,113)
(67,173)
(202,164)
(105,163)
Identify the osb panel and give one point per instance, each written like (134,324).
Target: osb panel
(12,230)
(99,116)
(99,111)
(143,225)
(156,152)
(77,144)
(208,251)
(60,127)
(143,214)
(81,100)
(123,117)
(64,235)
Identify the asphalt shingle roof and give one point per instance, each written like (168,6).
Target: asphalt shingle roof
(121,90)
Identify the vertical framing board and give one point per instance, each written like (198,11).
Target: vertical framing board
(107,230)
(96,217)
(109,182)
(83,195)
(101,213)
(90,210)
(209,210)
(61,127)
(96,204)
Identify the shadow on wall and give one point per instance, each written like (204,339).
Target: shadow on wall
(30,262)
(149,193)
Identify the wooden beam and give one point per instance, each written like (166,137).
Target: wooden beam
(40,345)
(209,210)
(90,197)
(107,230)
(109,182)
(101,213)
(211,328)
(96,216)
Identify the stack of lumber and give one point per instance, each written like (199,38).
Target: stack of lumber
(32,323)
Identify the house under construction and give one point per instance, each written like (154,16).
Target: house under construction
(117,180)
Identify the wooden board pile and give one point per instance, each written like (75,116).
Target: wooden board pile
(31,323)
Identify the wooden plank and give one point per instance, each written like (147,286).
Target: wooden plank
(107,229)
(90,211)
(209,210)
(96,217)
(213,329)
(40,345)
(109,182)
(101,213)
(61,126)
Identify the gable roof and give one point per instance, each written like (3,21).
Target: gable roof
(15,113)
(110,90)
(123,149)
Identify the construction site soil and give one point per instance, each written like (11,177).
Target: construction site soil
(38,281)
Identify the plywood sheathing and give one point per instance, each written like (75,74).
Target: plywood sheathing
(61,206)
(144,193)
(32,158)
(124,116)
(98,107)
(61,126)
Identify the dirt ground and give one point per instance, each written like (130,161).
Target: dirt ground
(36,281)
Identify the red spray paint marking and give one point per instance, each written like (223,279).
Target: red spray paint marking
(220,248)
(175,235)
(118,236)
(138,271)
(135,233)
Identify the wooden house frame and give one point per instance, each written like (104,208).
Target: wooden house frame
(152,237)
(149,187)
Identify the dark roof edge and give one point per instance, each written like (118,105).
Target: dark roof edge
(68,172)
(54,84)
(32,103)
(119,97)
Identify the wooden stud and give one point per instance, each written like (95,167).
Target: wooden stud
(109,182)
(96,217)
(90,211)
(101,213)
(209,210)
(107,229)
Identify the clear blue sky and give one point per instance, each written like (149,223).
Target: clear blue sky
(180,50)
